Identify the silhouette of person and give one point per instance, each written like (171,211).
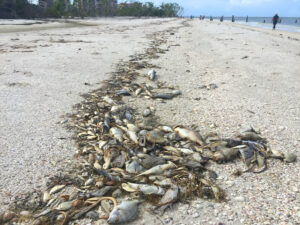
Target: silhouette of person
(247,19)
(232,19)
(275,20)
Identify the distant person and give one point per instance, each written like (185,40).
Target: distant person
(247,19)
(264,21)
(222,18)
(232,19)
(211,19)
(296,21)
(275,20)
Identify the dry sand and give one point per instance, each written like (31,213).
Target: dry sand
(256,71)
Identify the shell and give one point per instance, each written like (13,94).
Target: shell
(152,74)
(146,112)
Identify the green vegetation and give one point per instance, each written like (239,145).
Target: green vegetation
(148,9)
(85,8)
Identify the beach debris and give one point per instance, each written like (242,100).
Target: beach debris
(123,153)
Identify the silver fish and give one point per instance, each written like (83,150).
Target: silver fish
(125,212)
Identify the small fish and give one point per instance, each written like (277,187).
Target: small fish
(155,136)
(158,169)
(56,189)
(116,133)
(138,91)
(124,93)
(191,135)
(144,188)
(163,96)
(64,206)
(109,100)
(133,167)
(123,213)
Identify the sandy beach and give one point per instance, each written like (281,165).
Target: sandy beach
(256,72)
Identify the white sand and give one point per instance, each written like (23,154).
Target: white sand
(262,89)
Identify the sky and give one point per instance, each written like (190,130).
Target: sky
(236,7)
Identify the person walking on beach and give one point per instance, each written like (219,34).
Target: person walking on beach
(275,20)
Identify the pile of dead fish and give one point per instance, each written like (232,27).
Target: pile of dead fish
(126,154)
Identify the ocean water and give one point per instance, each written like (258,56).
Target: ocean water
(287,23)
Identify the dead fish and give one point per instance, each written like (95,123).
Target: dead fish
(224,154)
(89,182)
(251,136)
(109,100)
(144,188)
(138,91)
(133,167)
(158,169)
(191,135)
(132,127)
(166,129)
(148,161)
(64,206)
(101,192)
(108,156)
(170,196)
(118,108)
(123,213)
(123,93)
(289,157)
(46,197)
(155,136)
(116,133)
(152,74)
(119,161)
(131,134)
(167,182)
(163,96)
(56,189)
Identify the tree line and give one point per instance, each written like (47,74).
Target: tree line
(84,8)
